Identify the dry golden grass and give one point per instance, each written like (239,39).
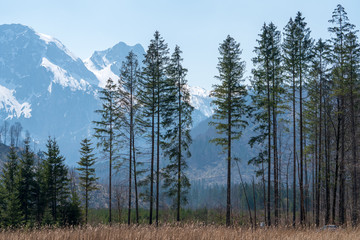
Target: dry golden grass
(193,231)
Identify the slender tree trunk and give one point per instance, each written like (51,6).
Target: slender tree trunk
(342,167)
(179,157)
(342,136)
(269,152)
(302,210)
(318,177)
(130,149)
(228,197)
(264,189)
(294,148)
(136,185)
(158,156)
(152,157)
(327,172)
(306,185)
(354,216)
(287,192)
(254,199)
(276,184)
(86,195)
(110,159)
(336,161)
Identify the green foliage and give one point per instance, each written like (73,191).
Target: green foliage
(177,122)
(87,173)
(27,184)
(152,98)
(56,181)
(229,96)
(106,128)
(11,213)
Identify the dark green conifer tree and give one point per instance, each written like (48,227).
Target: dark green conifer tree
(56,180)
(269,89)
(87,174)
(352,59)
(290,56)
(106,129)
(230,105)
(11,213)
(153,84)
(341,27)
(27,184)
(129,94)
(177,122)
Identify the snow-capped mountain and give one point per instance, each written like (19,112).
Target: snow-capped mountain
(45,87)
(200,100)
(107,63)
(51,92)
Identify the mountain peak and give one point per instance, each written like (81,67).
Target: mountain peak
(106,64)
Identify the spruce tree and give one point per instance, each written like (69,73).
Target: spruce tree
(129,94)
(290,56)
(106,129)
(11,213)
(261,101)
(305,44)
(27,184)
(40,187)
(269,88)
(314,122)
(352,59)
(56,180)
(153,84)
(87,174)
(341,26)
(230,105)
(178,121)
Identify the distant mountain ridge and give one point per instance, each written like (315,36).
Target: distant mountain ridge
(52,92)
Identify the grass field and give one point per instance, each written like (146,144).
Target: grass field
(191,231)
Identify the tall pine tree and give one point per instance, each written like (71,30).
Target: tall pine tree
(27,184)
(230,105)
(128,94)
(11,213)
(87,172)
(178,123)
(56,180)
(153,85)
(106,129)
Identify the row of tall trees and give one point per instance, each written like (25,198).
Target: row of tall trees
(148,112)
(308,90)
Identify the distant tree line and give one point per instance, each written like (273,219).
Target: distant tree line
(11,134)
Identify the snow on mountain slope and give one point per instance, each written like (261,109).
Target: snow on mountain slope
(107,63)
(201,100)
(48,39)
(46,88)
(43,85)
(103,74)
(63,78)
(11,106)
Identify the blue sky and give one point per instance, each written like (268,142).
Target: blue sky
(197,26)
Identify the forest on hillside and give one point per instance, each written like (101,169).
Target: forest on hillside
(301,105)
